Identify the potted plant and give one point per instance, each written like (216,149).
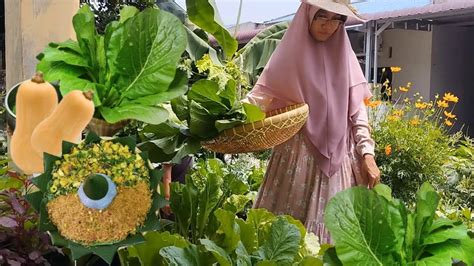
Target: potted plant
(131,68)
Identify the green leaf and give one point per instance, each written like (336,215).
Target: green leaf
(179,106)
(84,26)
(184,205)
(434,261)
(148,114)
(260,219)
(248,236)
(298,225)
(224,124)
(253,113)
(229,94)
(426,204)
(235,203)
(202,13)
(208,200)
(256,53)
(330,257)
(384,191)
(149,252)
(68,57)
(229,230)
(310,261)
(205,92)
(67,45)
(191,146)
(457,249)
(201,122)
(282,244)
(219,253)
(242,256)
(7,183)
(366,227)
(35,199)
(177,88)
(127,12)
(439,236)
(268,263)
(197,47)
(144,52)
(190,255)
(101,59)
(54,71)
(69,84)
(440,223)
(161,130)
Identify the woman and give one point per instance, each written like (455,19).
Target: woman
(315,64)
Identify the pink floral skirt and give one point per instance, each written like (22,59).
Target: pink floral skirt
(295,185)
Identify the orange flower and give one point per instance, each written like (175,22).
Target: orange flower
(415,122)
(442,104)
(404,89)
(373,104)
(388,150)
(449,97)
(421,106)
(449,115)
(448,123)
(395,69)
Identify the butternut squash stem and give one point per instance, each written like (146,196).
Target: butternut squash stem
(89,95)
(38,77)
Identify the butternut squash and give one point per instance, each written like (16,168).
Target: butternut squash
(35,100)
(66,123)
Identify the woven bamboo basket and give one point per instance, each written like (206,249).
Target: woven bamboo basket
(279,126)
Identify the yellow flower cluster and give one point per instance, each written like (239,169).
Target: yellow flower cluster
(124,167)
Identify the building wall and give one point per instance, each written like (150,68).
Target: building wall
(453,69)
(30,25)
(411,50)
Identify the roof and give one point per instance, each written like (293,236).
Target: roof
(432,10)
(450,8)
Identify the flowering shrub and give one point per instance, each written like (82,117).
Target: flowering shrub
(413,137)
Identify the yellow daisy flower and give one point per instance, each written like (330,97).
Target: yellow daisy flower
(449,115)
(449,97)
(442,104)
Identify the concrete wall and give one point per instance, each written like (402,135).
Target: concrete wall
(453,69)
(411,50)
(30,25)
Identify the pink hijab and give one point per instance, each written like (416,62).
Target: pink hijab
(325,75)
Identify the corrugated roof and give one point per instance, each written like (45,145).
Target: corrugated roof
(431,10)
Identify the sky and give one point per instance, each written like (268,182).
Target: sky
(264,10)
(252,10)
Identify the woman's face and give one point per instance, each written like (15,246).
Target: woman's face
(325,24)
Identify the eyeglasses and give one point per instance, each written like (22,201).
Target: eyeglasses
(329,22)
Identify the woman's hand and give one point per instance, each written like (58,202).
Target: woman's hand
(369,167)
